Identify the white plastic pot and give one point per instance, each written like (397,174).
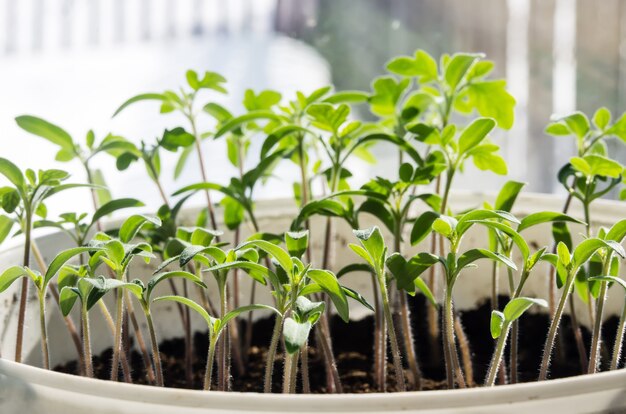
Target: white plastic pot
(25,388)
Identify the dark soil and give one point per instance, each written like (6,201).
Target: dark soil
(353,345)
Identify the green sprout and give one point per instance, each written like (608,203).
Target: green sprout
(23,201)
(568,264)
(184,103)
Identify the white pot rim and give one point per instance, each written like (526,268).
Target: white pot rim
(372,402)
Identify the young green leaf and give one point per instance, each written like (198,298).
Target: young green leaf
(115,205)
(46,130)
(374,243)
(10,275)
(134,223)
(474,133)
(497,320)
(141,97)
(295,334)
(508,194)
(191,304)
(458,67)
(297,242)
(12,173)
(423,226)
(472,255)
(516,307)
(328,282)
(62,258)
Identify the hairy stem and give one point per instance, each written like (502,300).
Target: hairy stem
(554,326)
(580,343)
(139,336)
(209,364)
(619,339)
(222,379)
(45,352)
(323,339)
(69,323)
(409,342)
(596,337)
(449,333)
(188,341)
(86,341)
(271,354)
(496,359)
(466,355)
(156,355)
(395,350)
(291,373)
(304,368)
(379,340)
(24,292)
(117,341)
(203,173)
(111,325)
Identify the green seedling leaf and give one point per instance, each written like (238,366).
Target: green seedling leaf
(134,223)
(597,165)
(297,242)
(354,267)
(602,118)
(577,123)
(465,221)
(141,97)
(587,248)
(387,91)
(516,307)
(48,131)
(423,287)
(472,255)
(238,122)
(6,224)
(347,97)
(281,256)
(545,217)
(507,195)
(10,275)
(610,279)
(170,275)
(374,243)
(563,253)
(249,308)
(497,320)
(443,226)
(295,334)
(12,173)
(405,272)
(115,205)
(617,231)
(67,299)
(491,99)
(255,270)
(423,226)
(353,294)
(512,234)
(457,68)
(328,282)
(62,258)
(176,138)
(191,304)
(474,133)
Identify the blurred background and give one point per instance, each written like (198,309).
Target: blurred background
(73,62)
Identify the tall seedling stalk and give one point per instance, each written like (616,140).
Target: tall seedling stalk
(568,266)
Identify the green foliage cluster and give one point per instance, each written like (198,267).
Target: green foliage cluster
(438,114)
